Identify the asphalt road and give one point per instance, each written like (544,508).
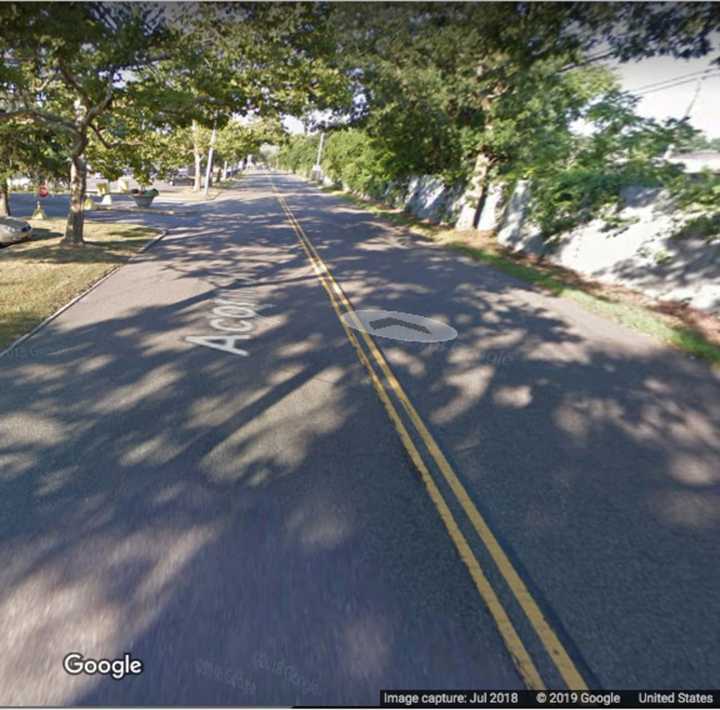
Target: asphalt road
(250,525)
(23,204)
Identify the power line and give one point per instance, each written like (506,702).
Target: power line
(688,111)
(598,56)
(673,85)
(666,81)
(698,86)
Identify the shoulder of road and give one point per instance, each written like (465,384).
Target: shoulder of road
(689,330)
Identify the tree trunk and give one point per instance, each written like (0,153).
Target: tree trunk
(225,171)
(209,168)
(476,194)
(76,216)
(197,178)
(4,199)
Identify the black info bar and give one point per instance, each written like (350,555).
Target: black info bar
(549,698)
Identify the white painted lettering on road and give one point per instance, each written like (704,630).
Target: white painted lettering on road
(218,342)
(230,318)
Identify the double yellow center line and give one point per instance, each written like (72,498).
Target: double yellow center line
(385,383)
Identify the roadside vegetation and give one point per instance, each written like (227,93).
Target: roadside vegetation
(144,87)
(584,183)
(478,101)
(689,330)
(41,275)
(482,95)
(476,94)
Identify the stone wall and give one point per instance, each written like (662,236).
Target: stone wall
(640,253)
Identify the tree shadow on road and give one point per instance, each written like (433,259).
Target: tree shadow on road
(252,528)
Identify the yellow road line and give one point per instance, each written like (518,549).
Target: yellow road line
(549,639)
(515,646)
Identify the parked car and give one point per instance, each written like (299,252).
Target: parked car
(181,177)
(13,230)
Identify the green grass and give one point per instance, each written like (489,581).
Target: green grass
(511,267)
(667,329)
(41,275)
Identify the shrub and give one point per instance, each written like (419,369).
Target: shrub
(701,190)
(299,153)
(705,226)
(351,158)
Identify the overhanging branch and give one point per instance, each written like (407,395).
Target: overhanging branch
(47,118)
(109,146)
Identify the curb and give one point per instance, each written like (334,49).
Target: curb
(80,296)
(144,210)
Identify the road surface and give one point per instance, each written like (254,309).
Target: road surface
(203,467)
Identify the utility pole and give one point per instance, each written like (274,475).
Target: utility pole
(320,150)
(688,110)
(211,150)
(317,169)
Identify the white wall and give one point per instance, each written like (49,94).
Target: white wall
(641,254)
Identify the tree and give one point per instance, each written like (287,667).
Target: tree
(647,29)
(463,89)
(239,139)
(260,60)
(65,65)
(28,150)
(76,67)
(150,153)
(472,91)
(622,149)
(698,141)
(200,143)
(298,152)
(352,158)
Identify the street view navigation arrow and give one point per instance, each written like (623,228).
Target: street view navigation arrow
(397,325)
(383,323)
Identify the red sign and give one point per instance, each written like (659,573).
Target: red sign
(42,191)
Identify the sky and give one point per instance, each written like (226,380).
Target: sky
(292,124)
(673,102)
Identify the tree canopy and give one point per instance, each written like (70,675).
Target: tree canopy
(113,73)
(469,91)
(475,92)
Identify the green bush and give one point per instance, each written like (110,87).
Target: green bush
(351,158)
(702,190)
(299,153)
(563,198)
(705,226)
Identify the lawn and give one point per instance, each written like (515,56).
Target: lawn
(188,194)
(41,275)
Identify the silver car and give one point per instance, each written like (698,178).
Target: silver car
(13,230)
